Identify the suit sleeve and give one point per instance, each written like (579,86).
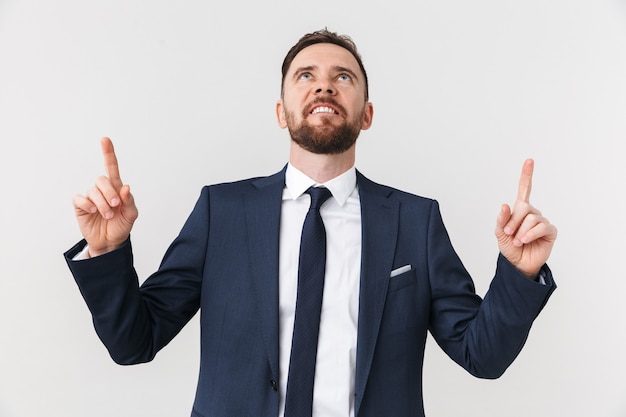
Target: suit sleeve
(483,336)
(135,322)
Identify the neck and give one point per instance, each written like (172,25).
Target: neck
(321,168)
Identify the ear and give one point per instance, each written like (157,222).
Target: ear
(280,114)
(368,115)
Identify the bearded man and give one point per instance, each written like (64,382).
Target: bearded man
(316,286)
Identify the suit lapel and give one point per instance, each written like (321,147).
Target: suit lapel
(262,207)
(379,219)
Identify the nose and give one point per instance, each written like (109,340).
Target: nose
(328,91)
(324,86)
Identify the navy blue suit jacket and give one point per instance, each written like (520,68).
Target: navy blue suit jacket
(225,263)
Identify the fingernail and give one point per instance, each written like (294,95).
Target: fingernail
(517,242)
(108,215)
(508,230)
(115,201)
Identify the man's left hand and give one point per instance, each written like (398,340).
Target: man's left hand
(525,237)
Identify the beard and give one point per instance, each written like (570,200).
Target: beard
(326,139)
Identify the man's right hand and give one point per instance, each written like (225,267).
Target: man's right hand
(107,213)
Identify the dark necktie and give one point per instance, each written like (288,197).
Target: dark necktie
(299,396)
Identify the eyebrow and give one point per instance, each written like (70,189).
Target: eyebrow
(336,68)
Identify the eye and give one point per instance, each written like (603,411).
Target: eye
(344,77)
(305,76)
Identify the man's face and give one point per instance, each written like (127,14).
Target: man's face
(323,103)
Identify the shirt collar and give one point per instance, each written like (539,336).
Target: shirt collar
(341,187)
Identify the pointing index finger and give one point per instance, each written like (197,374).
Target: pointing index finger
(110,162)
(526,181)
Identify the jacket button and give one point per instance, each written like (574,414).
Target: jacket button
(274,385)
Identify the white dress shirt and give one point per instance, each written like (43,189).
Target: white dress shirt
(333,394)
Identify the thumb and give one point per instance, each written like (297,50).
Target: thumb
(130,211)
(503,218)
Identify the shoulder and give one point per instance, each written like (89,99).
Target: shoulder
(235,193)
(276,180)
(368,187)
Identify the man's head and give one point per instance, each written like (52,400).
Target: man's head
(323,36)
(324,94)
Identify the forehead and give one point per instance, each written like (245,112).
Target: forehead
(324,55)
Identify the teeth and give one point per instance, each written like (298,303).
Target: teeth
(322,109)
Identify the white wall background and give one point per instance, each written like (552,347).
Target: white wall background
(464,91)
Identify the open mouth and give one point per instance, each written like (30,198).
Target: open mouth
(323,110)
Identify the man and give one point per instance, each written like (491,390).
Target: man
(389,276)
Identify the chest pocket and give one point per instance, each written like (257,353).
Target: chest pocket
(403,280)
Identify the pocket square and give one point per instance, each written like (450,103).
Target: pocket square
(400,270)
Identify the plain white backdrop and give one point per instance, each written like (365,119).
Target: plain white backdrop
(463,92)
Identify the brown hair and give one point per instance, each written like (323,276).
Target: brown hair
(322,36)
